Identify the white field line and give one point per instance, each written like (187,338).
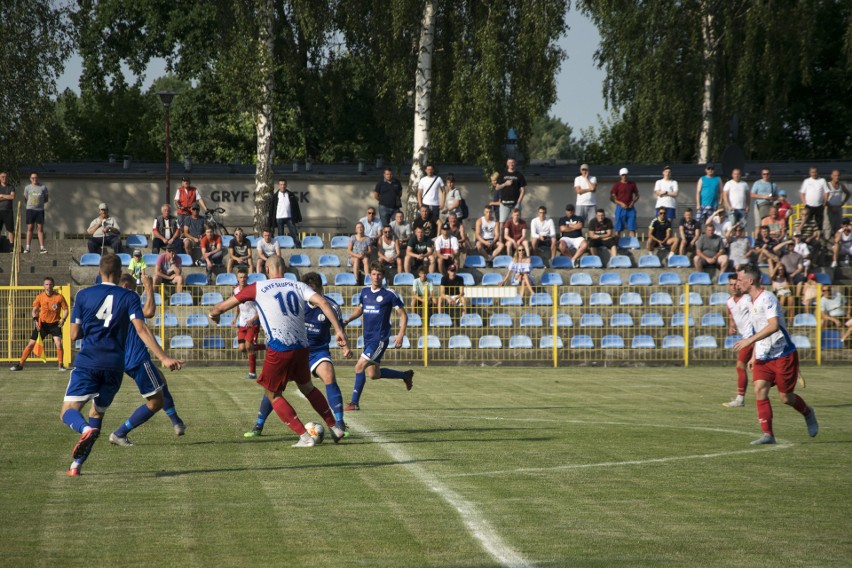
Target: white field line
(476,524)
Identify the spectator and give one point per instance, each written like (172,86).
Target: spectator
(193,229)
(807,291)
(239,251)
(764,247)
(735,196)
(601,233)
(707,194)
(720,223)
(813,192)
(666,191)
(571,230)
(784,206)
(777,226)
(739,246)
(266,248)
(212,253)
(660,232)
(104,231)
(287,212)
(431,192)
(452,290)
(838,195)
(842,243)
(782,286)
(689,232)
(166,229)
(168,269)
(428,222)
(809,228)
(388,195)
(186,196)
(519,272)
(486,234)
(372,226)
(359,251)
(401,227)
(419,252)
(513,186)
(833,307)
(137,266)
(585,187)
(848,331)
(36,197)
(446,249)
(792,261)
(454,200)
(710,250)
(457,231)
(7,199)
(802,248)
(624,194)
(494,204)
(515,233)
(763,194)
(543,233)
(388,250)
(421,289)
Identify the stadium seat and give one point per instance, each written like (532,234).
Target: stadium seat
(185,259)
(359,343)
(124,258)
(678,261)
(723,277)
(713,320)
(211,298)
(403,279)
(561,262)
(582,342)
(536,262)
(300,261)
(312,242)
(336,297)
(255,277)
(694,299)
(669,279)
(136,241)
(345,279)
(704,342)
(629,243)
(501,261)
(150,259)
(181,342)
(490,342)
(366,280)
(197,320)
(649,261)
(354,323)
(157,299)
(822,278)
(512,301)
(651,319)
(591,320)
(434,278)
(546,342)
(474,261)
(600,299)
(459,342)
(660,299)
(470,320)
(213,342)
(226,319)
(440,320)
(551,279)
(801,341)
(500,320)
(562,320)
(169,320)
(252,240)
(520,342)
(286,242)
(227,239)
(804,320)
(340,242)
(580,279)
(639,279)
(329,261)
(610,279)
(541,299)
(630,299)
(678,320)
(699,279)
(481,302)
(406,343)
(831,339)
(293,278)
(612,342)
(643,342)
(226,279)
(621,320)
(467,278)
(719,298)
(619,261)
(570,299)
(180,299)
(196,279)
(531,320)
(673,342)
(591,261)
(90,259)
(491,279)
(731,340)
(414,320)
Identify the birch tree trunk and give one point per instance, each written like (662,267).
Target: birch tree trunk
(263,177)
(709,56)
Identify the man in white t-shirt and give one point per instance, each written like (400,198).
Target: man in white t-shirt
(585,187)
(446,248)
(813,193)
(543,232)
(266,247)
(430,191)
(666,191)
(736,197)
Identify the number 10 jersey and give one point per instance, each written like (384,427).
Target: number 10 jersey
(282,306)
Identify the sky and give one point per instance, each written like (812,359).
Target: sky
(578,84)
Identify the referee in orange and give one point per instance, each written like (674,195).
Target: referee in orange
(50,310)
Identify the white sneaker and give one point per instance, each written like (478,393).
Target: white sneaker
(736,403)
(120,440)
(337,433)
(305,441)
(765,439)
(834,264)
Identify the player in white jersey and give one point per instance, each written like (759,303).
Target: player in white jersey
(247,323)
(775,360)
(739,322)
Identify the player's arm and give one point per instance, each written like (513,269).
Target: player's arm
(330,315)
(354,315)
(223,307)
(403,323)
(149,308)
(772,325)
(76,331)
(148,339)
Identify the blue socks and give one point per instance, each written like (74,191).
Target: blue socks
(169,406)
(385,373)
(264,411)
(335,401)
(74,420)
(96,422)
(139,417)
(360,381)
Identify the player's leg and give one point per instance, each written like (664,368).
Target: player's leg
(262,414)
(150,383)
(278,369)
(325,371)
(743,357)
(171,411)
(764,407)
(320,405)
(84,385)
(376,372)
(360,381)
(788,371)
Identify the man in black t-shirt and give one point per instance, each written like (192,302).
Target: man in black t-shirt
(419,252)
(660,232)
(689,232)
(452,290)
(239,251)
(571,227)
(601,233)
(512,185)
(388,193)
(428,222)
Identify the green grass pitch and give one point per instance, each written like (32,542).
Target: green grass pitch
(474,467)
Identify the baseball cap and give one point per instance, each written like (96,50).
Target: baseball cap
(710,166)
(667,167)
(584,166)
(782,192)
(196,206)
(623,172)
(451,268)
(446,226)
(811,276)
(103,206)
(137,252)
(170,246)
(185,178)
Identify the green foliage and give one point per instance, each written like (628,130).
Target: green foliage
(552,138)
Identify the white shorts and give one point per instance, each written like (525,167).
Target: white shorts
(846,247)
(573,242)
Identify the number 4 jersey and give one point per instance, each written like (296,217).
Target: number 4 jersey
(104,313)
(282,306)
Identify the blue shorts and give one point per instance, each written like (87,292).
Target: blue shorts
(671,213)
(375,350)
(148,378)
(85,385)
(317,357)
(625,219)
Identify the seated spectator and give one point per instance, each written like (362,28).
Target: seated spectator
(842,244)
(764,247)
(137,266)
(739,247)
(792,261)
(519,272)
(266,247)
(401,227)
(419,252)
(372,226)
(833,307)
(848,331)
(193,229)
(601,233)
(104,231)
(239,251)
(486,233)
(777,225)
(660,233)
(457,230)
(571,228)
(168,269)
(446,249)
(421,289)
(782,287)
(710,250)
(452,290)
(388,250)
(360,248)
(689,233)
(801,248)
(810,231)
(165,231)
(543,233)
(807,291)
(212,253)
(515,233)
(720,223)
(428,222)
(784,207)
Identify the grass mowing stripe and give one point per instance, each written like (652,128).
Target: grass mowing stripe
(476,524)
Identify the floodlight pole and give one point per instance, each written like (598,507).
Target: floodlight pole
(166,98)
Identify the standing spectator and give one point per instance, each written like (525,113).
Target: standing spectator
(431,192)
(777,226)
(239,251)
(421,289)
(212,253)
(660,232)
(103,231)
(739,247)
(401,227)
(571,230)
(49,314)
(266,248)
(833,307)
(585,187)
(388,195)
(710,250)
(36,197)
(624,194)
(707,194)
(838,195)
(515,233)
(792,261)
(666,191)
(763,193)
(419,252)
(486,234)
(454,199)
(168,269)
(359,251)
(735,196)
(689,232)
(166,229)
(446,249)
(813,193)
(137,266)
(7,199)
(452,290)
(427,221)
(372,226)
(287,212)
(842,243)
(513,186)
(543,232)
(784,206)
(193,229)
(494,204)
(601,233)
(388,250)
(186,196)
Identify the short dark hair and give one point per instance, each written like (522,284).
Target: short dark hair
(688,210)
(242,270)
(126,279)
(601,211)
(450,177)
(751,271)
(110,265)
(52,281)
(313,280)
(732,277)
(421,270)
(377,266)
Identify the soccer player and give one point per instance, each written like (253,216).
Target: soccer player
(319,336)
(739,321)
(247,323)
(137,364)
(49,314)
(376,304)
(775,360)
(102,316)
(281,304)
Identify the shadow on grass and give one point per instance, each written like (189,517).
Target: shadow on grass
(485,408)
(358,465)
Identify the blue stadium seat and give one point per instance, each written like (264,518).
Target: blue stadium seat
(406,343)
(403,279)
(694,299)
(501,261)
(124,258)
(678,261)
(440,320)
(150,259)
(337,298)
(467,278)
(669,279)
(226,319)
(474,261)
(629,243)
(570,299)
(678,320)
(580,279)
(823,278)
(801,341)
(329,261)
(434,278)
(340,242)
(226,279)
(157,299)
(590,261)
(650,261)
(136,241)
(196,279)
(181,342)
(197,320)
(414,320)
(541,299)
(660,299)
(432,342)
(582,342)
(630,299)
(704,342)
(227,239)
(253,240)
(90,259)
(185,259)
(213,342)
(546,342)
(255,277)
(470,320)
(180,299)
(639,279)
(731,340)
(491,279)
(643,342)
(612,342)
(512,301)
(520,342)
(300,261)
(481,302)
(831,339)
(699,279)
(359,344)
(354,323)
(719,298)
(490,342)
(673,342)
(366,280)
(211,298)
(459,342)
(293,278)
(600,299)
(312,242)
(551,279)
(345,279)
(500,320)
(804,320)
(169,320)
(562,320)
(536,262)
(531,320)
(713,320)
(651,319)
(619,261)
(610,279)
(621,320)
(561,262)
(286,242)
(723,277)
(591,320)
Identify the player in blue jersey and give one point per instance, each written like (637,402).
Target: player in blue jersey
(102,317)
(376,304)
(137,364)
(319,336)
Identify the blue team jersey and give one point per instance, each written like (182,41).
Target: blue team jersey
(318,326)
(104,313)
(136,352)
(378,306)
